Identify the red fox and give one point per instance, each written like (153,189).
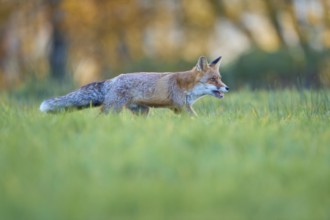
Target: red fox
(139,91)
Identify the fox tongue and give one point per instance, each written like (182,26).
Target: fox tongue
(218,94)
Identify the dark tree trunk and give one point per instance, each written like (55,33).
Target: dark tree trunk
(58,47)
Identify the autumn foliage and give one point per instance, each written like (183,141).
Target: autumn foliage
(93,39)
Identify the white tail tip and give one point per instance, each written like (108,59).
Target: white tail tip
(44,107)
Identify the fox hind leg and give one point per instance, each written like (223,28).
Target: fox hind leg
(106,107)
(113,105)
(138,109)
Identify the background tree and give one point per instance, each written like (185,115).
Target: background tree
(91,40)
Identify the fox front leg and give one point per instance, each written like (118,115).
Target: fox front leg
(188,104)
(186,109)
(190,110)
(176,110)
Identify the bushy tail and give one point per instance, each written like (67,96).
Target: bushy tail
(89,95)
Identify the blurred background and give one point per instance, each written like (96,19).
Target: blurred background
(264,43)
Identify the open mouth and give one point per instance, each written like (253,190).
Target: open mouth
(218,94)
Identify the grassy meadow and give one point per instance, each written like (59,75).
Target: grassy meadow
(251,155)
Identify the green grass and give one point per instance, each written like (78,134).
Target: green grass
(252,155)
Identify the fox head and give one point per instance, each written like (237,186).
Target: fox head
(209,79)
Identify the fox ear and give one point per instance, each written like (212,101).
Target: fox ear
(216,62)
(202,64)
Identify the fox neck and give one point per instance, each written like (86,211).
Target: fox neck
(187,80)
(194,94)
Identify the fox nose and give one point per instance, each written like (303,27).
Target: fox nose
(227,88)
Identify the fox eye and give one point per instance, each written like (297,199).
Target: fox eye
(213,79)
